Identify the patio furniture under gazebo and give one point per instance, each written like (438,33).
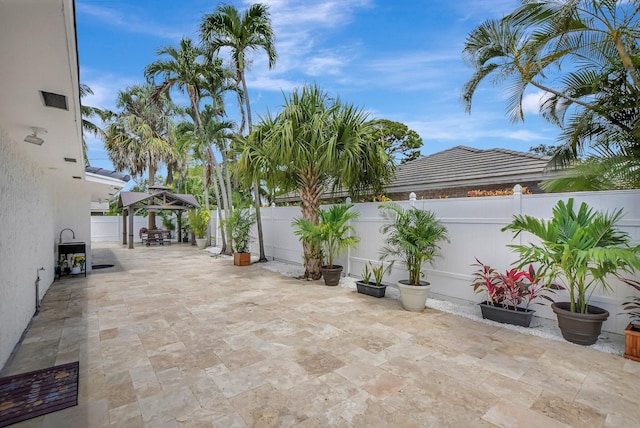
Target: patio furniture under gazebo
(158,198)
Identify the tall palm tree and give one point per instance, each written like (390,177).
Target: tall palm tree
(186,70)
(597,42)
(315,144)
(240,33)
(139,137)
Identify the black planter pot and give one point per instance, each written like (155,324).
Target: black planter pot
(506,315)
(582,329)
(371,289)
(331,276)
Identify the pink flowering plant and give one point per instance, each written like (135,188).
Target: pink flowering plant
(513,289)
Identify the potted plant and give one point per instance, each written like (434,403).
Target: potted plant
(580,249)
(632,332)
(198,221)
(376,288)
(413,237)
(240,223)
(509,295)
(78,264)
(333,233)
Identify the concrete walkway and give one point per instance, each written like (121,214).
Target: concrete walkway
(172,337)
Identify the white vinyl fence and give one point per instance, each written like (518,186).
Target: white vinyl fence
(109,228)
(474,226)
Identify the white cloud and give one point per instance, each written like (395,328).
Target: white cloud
(128,20)
(531,102)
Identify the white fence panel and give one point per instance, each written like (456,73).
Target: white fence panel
(474,226)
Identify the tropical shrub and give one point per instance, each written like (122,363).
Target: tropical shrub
(413,237)
(580,249)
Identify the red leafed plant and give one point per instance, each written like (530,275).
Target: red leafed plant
(632,305)
(512,289)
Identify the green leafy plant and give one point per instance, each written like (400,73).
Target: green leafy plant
(412,236)
(579,249)
(333,232)
(167,223)
(378,273)
(240,223)
(198,222)
(366,273)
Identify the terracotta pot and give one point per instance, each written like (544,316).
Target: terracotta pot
(331,276)
(582,329)
(241,259)
(414,297)
(632,342)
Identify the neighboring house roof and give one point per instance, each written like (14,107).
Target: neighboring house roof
(457,167)
(463,166)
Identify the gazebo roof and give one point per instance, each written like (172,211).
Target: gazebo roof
(159,199)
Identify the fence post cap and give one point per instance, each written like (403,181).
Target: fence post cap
(412,196)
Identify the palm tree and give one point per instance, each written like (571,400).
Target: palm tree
(88,113)
(139,137)
(251,30)
(186,70)
(316,143)
(597,42)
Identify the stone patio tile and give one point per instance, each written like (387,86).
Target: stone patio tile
(177,338)
(506,414)
(238,381)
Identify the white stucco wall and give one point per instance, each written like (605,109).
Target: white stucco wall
(27,229)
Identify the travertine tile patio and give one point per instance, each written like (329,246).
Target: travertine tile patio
(172,337)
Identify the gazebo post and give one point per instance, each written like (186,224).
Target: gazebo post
(124,226)
(179,215)
(130,228)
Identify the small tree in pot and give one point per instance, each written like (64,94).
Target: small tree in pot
(240,223)
(198,222)
(333,233)
(579,249)
(413,236)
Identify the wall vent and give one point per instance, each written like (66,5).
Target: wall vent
(72,160)
(51,99)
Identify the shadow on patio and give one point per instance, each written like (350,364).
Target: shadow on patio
(178,338)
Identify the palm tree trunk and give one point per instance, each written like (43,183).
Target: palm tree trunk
(205,185)
(225,166)
(256,184)
(225,201)
(310,194)
(219,211)
(152,181)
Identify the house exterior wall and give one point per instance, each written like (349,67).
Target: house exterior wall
(474,226)
(27,239)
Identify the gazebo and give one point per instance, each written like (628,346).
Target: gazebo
(158,198)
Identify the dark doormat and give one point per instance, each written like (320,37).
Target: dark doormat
(27,395)
(104,266)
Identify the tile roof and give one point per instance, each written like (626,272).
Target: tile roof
(462,165)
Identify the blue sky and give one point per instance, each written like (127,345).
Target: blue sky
(399,60)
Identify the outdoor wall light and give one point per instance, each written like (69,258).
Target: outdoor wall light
(33,138)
